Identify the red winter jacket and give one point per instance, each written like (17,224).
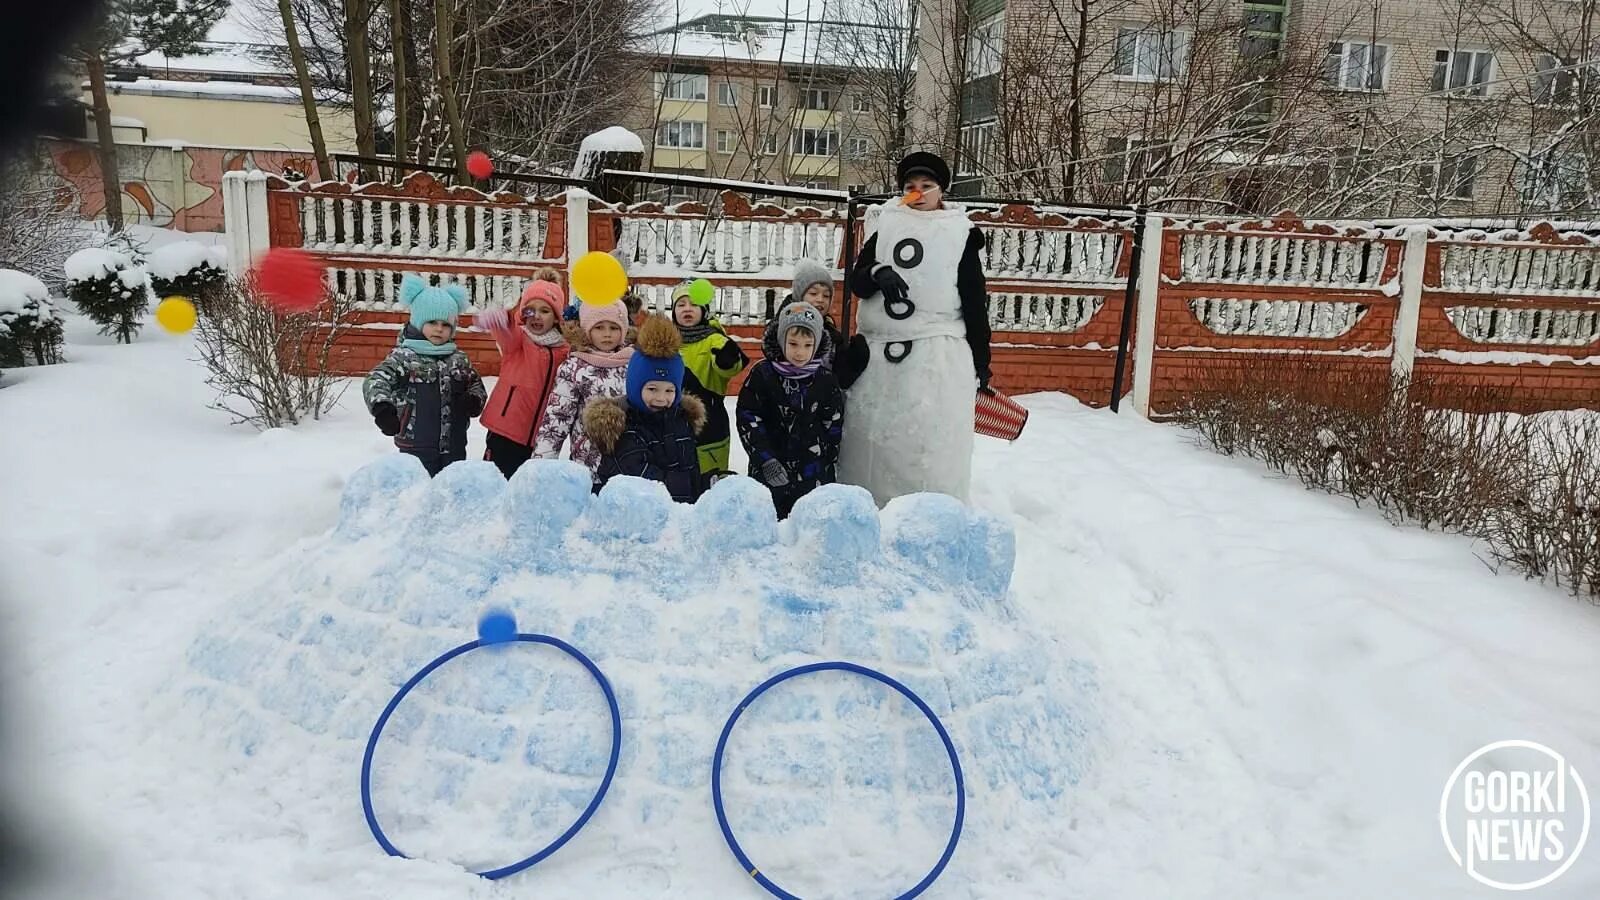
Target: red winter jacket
(522,393)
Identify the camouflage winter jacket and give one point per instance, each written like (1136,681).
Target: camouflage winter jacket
(435,396)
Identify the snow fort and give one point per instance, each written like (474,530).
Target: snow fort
(834,784)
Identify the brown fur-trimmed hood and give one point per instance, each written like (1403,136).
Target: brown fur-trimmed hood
(606,418)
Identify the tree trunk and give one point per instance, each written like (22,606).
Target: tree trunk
(1075,149)
(110,179)
(398,40)
(443,37)
(308,100)
(416,111)
(357,14)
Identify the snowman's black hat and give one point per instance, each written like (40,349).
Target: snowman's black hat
(925,163)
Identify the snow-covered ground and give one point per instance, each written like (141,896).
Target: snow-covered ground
(1285,681)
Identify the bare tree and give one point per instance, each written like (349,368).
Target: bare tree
(308,99)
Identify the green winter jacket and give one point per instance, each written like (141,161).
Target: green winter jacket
(435,396)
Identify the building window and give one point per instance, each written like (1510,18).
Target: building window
(813,142)
(767,96)
(817,185)
(727,94)
(681,135)
(819,99)
(1148,54)
(769,143)
(1555,180)
(856,188)
(985,46)
(1449,177)
(860,103)
(977,147)
(1554,80)
(1465,73)
(1131,159)
(858,148)
(724,141)
(682,87)
(1350,66)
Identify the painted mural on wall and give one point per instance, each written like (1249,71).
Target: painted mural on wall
(170,187)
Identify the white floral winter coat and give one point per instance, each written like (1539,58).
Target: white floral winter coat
(577,382)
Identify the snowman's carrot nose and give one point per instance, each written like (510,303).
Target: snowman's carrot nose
(912,197)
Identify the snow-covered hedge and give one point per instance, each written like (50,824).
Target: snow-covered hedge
(110,289)
(29,324)
(188,269)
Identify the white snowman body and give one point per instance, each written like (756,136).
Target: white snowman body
(909,425)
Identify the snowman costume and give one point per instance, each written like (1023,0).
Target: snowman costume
(910,421)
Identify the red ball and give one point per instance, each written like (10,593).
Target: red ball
(290,279)
(479,165)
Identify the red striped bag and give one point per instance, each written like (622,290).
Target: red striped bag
(997,415)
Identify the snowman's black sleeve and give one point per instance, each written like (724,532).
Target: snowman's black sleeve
(861,283)
(974,292)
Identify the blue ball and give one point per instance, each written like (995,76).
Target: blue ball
(496,627)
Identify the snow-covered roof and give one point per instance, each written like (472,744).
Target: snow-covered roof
(760,39)
(615,139)
(244,41)
(126,122)
(208,90)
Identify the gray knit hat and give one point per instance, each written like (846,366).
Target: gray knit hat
(808,272)
(800,314)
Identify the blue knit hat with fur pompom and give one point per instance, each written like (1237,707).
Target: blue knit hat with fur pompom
(444,303)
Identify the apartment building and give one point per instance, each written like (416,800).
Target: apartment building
(1347,107)
(768,100)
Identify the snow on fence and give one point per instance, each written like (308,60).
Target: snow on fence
(1458,307)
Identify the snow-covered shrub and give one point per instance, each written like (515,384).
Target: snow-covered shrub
(110,289)
(29,325)
(189,269)
(269,368)
(1552,528)
(38,224)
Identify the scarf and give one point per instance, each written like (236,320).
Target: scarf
(694,334)
(551,338)
(787,369)
(416,343)
(614,360)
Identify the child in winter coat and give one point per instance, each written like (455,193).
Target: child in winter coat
(426,392)
(791,410)
(597,367)
(652,434)
(711,359)
(532,349)
(813,284)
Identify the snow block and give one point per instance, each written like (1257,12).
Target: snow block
(684,609)
(736,514)
(836,531)
(545,497)
(373,495)
(630,509)
(991,554)
(930,532)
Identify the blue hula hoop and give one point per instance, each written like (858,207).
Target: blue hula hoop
(605,783)
(722,744)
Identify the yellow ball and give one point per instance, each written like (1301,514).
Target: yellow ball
(176,314)
(598,278)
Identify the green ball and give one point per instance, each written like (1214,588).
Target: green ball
(701,292)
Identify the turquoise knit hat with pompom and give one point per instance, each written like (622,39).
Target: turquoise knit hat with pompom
(444,303)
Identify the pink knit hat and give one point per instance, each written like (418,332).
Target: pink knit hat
(547,292)
(590,315)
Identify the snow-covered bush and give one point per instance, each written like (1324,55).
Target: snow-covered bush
(189,269)
(38,224)
(110,289)
(29,325)
(1528,486)
(270,368)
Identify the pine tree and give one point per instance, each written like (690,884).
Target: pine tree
(110,290)
(125,31)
